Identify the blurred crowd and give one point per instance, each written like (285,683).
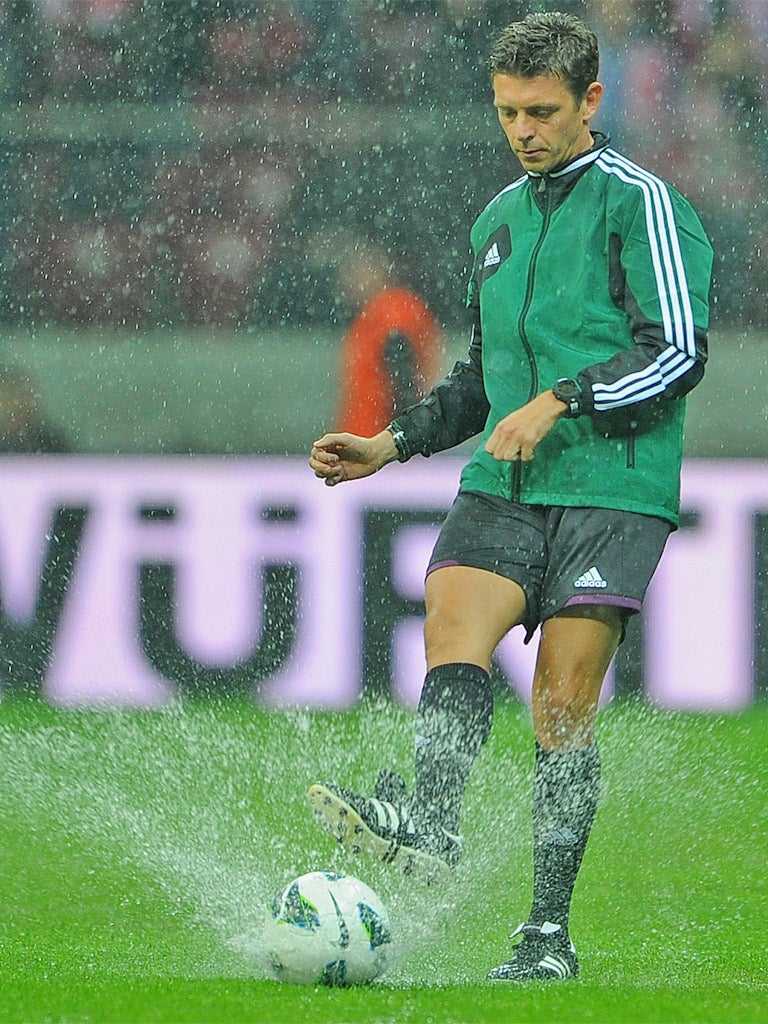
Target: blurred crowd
(170,162)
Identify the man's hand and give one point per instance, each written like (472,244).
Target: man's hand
(516,436)
(338,457)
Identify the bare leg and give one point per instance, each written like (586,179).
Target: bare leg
(468,612)
(575,652)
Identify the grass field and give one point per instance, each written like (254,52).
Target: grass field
(139,852)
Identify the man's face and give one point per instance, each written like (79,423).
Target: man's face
(544,124)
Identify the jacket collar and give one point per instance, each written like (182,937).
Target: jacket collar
(559,182)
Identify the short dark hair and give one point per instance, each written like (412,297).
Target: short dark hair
(548,44)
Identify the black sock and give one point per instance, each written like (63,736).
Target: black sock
(454,720)
(566,790)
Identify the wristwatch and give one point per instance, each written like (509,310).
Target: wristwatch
(398,436)
(569,391)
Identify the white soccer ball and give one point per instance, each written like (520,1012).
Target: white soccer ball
(327,929)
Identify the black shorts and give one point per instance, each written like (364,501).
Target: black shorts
(562,557)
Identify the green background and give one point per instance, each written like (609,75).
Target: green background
(140,850)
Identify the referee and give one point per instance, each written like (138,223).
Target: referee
(589,300)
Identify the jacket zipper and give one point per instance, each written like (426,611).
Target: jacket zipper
(631,441)
(517,467)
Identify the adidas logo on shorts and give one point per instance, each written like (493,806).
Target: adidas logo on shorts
(591,578)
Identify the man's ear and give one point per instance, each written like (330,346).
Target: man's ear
(592,100)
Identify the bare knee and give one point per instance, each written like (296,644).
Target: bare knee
(448,639)
(574,656)
(468,612)
(565,709)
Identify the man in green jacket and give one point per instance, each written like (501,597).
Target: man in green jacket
(589,297)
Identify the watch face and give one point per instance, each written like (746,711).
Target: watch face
(567,389)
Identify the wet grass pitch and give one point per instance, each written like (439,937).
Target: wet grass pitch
(140,851)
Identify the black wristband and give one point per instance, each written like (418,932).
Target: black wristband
(400,443)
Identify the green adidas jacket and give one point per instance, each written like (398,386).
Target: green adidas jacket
(598,271)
